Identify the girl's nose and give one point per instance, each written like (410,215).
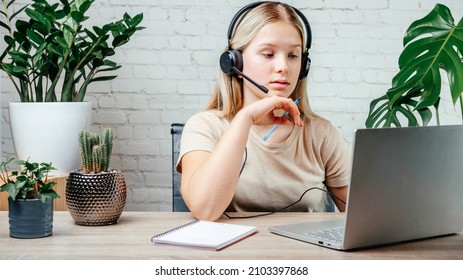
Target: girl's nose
(281,64)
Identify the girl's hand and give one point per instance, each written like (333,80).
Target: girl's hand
(262,112)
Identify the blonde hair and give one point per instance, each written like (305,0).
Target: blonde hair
(227,98)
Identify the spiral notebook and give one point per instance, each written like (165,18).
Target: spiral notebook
(204,235)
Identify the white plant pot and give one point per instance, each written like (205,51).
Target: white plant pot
(49,131)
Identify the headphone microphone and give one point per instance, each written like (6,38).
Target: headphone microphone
(227,64)
(261,87)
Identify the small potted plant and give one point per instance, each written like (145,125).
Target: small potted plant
(30,198)
(95,195)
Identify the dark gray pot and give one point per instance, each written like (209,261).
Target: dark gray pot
(95,199)
(30,218)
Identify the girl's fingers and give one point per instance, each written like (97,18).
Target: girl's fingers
(263,111)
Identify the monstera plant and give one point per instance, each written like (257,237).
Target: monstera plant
(431,44)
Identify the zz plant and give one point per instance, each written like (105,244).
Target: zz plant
(95,150)
(52,47)
(431,44)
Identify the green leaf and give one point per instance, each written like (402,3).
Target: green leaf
(106,69)
(85,6)
(61,42)
(90,34)
(104,78)
(439,19)
(10,188)
(98,31)
(35,37)
(431,45)
(33,14)
(54,49)
(64,2)
(10,3)
(108,52)
(383,115)
(20,183)
(77,16)
(111,63)
(22,26)
(69,33)
(120,40)
(9,41)
(126,17)
(43,196)
(18,11)
(46,191)
(19,59)
(137,20)
(41,28)
(4,25)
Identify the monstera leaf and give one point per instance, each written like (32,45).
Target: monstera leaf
(431,43)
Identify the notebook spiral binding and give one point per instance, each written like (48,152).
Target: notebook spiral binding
(173,230)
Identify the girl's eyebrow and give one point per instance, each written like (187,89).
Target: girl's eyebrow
(276,45)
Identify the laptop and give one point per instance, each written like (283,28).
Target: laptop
(405,184)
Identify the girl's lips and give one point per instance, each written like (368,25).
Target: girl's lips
(279,84)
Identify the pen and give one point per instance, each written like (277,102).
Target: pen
(274,127)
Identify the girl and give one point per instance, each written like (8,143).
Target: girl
(225,162)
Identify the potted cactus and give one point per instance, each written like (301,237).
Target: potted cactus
(95,195)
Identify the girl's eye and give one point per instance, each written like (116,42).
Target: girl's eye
(293,56)
(267,54)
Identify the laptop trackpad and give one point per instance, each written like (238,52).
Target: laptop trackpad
(309,226)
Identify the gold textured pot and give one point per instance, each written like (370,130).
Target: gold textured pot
(95,199)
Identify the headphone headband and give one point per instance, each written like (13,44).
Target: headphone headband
(231,60)
(237,16)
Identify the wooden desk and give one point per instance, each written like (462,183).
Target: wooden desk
(130,238)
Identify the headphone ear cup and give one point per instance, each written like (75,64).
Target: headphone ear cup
(305,66)
(229,60)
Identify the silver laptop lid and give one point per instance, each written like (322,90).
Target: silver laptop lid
(406,183)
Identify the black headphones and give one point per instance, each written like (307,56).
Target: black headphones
(233,58)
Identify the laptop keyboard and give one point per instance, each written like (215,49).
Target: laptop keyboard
(333,235)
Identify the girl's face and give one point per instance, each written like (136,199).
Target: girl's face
(273,59)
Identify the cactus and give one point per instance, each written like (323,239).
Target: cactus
(96,155)
(85,150)
(95,151)
(106,148)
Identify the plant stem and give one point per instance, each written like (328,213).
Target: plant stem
(67,86)
(83,88)
(50,95)
(7,16)
(15,84)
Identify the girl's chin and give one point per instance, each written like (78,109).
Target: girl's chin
(281,93)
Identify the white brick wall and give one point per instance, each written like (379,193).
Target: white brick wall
(169,69)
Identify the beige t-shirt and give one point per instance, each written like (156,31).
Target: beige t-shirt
(277,174)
